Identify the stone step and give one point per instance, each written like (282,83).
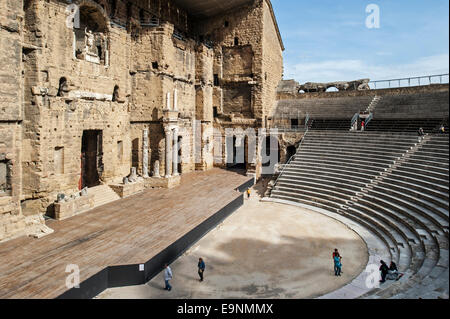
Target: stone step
(351,181)
(385,163)
(364,151)
(430,172)
(103,195)
(433,204)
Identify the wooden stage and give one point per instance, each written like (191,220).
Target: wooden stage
(125,232)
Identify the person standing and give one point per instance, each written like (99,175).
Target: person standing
(421,134)
(167,277)
(248,193)
(201,268)
(337,266)
(336,253)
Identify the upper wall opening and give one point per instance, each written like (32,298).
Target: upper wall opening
(91,35)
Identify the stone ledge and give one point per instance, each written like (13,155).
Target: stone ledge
(126,190)
(171,182)
(74,207)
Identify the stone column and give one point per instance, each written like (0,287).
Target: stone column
(168,101)
(175,100)
(175,152)
(168,132)
(145,154)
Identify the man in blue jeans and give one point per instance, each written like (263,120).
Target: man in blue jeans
(167,277)
(201,268)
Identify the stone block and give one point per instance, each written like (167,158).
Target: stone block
(170,182)
(126,190)
(73,207)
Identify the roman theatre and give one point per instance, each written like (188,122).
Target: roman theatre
(132,130)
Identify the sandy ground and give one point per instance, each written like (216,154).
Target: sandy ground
(264,250)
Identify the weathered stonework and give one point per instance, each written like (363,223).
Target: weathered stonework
(83,103)
(128,189)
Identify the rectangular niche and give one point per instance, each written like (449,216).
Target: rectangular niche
(58,160)
(5,178)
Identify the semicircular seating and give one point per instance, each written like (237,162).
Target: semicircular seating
(392,184)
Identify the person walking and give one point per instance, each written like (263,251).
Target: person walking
(201,268)
(248,193)
(167,277)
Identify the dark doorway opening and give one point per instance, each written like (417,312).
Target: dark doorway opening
(294,123)
(180,154)
(290,151)
(135,153)
(91,158)
(236,158)
(271,155)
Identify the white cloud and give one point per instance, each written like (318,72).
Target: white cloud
(347,70)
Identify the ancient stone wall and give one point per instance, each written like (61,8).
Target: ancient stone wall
(237,39)
(83,101)
(12,221)
(272,62)
(68,93)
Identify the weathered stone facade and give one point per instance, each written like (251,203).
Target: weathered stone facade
(92,88)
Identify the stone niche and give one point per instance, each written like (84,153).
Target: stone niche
(5,177)
(73,207)
(91,39)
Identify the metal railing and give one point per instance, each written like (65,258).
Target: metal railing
(354,119)
(290,159)
(306,121)
(411,81)
(370,118)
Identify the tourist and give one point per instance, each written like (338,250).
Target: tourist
(167,277)
(248,193)
(337,265)
(421,132)
(363,124)
(384,271)
(393,273)
(336,253)
(442,129)
(201,268)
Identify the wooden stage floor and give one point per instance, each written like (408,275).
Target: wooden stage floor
(128,231)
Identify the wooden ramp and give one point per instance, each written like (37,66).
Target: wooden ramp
(126,232)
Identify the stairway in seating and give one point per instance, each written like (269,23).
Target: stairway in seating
(397,163)
(103,194)
(373,104)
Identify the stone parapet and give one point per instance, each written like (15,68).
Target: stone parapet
(126,190)
(171,182)
(64,210)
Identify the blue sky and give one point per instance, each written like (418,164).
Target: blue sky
(328,40)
